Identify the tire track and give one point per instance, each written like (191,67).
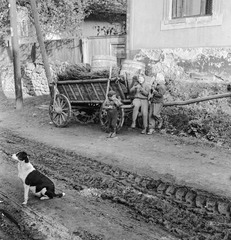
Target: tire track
(186,212)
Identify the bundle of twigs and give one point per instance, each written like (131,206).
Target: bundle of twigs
(81,72)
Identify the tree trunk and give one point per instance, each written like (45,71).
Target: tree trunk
(42,46)
(16,57)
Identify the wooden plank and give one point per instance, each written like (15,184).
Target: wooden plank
(83,81)
(127,106)
(88,101)
(101,101)
(121,91)
(95,91)
(103,90)
(127,101)
(87,91)
(79,92)
(66,93)
(108,83)
(73,93)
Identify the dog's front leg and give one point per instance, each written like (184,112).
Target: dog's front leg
(26,193)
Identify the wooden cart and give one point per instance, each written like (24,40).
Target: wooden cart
(83,99)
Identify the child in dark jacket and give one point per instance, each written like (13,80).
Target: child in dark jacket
(156,99)
(112,104)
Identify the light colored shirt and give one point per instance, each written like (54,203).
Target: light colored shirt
(140,90)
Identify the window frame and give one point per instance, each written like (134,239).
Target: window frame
(185,6)
(169,23)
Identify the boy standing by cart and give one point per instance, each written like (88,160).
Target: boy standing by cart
(112,104)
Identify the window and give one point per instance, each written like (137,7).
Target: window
(179,14)
(191,8)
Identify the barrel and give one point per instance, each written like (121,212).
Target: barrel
(130,68)
(103,62)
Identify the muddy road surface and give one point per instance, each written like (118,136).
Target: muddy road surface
(86,211)
(102,201)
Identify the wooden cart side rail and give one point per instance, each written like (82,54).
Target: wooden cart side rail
(99,80)
(191,101)
(126,102)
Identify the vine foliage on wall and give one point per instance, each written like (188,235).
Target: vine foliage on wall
(61,16)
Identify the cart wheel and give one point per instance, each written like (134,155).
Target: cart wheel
(60,110)
(104,121)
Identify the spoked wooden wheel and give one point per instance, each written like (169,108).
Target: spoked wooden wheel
(60,110)
(104,119)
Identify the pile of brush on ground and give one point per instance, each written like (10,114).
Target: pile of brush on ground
(208,120)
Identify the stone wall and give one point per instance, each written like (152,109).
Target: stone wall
(189,73)
(188,63)
(34,81)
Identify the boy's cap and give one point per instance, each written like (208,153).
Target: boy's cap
(111,93)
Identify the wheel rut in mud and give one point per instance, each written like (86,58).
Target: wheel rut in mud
(25,224)
(185,212)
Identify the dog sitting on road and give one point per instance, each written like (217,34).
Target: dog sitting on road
(33,180)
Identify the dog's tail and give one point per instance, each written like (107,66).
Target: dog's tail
(59,195)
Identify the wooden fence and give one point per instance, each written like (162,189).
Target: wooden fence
(104,45)
(72,50)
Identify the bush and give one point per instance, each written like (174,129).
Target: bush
(206,120)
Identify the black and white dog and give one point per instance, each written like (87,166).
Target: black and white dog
(33,180)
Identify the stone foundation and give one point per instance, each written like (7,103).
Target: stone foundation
(189,63)
(189,73)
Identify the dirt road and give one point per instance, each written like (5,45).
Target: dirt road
(130,187)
